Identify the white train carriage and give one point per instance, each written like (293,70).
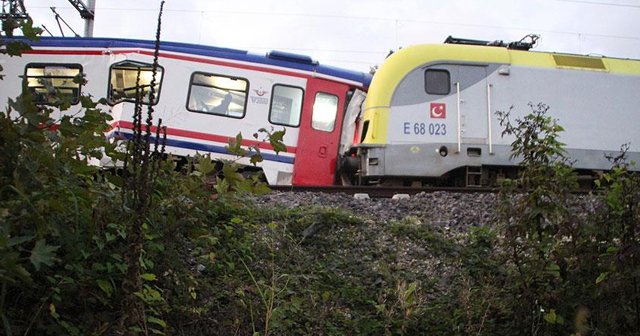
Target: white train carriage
(430,111)
(205,96)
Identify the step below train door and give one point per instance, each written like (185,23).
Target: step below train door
(319,137)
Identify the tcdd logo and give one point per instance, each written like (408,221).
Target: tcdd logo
(438,111)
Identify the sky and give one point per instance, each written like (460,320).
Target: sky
(358,34)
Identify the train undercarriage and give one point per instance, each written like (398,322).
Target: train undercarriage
(350,174)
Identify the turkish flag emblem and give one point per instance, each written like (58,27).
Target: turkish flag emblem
(438,111)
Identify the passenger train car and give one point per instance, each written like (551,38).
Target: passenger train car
(205,96)
(429,115)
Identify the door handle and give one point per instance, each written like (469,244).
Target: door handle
(322,151)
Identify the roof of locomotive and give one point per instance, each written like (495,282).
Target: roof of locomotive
(273,58)
(405,60)
(398,65)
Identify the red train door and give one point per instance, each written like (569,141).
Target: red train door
(319,136)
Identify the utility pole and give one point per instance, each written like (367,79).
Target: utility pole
(12,12)
(87,13)
(13,9)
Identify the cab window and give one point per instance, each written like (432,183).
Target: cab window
(286,105)
(52,84)
(218,94)
(437,82)
(126,77)
(325,109)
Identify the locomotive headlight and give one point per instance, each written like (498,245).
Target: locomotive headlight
(443,151)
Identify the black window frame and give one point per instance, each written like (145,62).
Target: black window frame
(77,92)
(429,89)
(273,91)
(209,74)
(144,65)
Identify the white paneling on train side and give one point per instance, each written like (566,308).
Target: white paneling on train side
(431,111)
(598,110)
(205,95)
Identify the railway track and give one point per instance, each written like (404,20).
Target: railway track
(382,192)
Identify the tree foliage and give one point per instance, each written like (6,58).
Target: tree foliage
(88,251)
(156,249)
(557,261)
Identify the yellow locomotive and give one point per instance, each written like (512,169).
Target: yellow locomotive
(430,112)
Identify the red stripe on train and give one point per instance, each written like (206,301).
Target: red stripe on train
(206,136)
(167,55)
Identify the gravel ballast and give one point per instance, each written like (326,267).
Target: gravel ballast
(443,209)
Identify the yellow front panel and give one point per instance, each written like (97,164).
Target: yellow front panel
(400,64)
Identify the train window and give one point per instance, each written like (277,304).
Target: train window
(126,76)
(54,84)
(324,113)
(437,82)
(216,94)
(286,105)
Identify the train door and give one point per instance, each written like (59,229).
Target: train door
(470,87)
(319,136)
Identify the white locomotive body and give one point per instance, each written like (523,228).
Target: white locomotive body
(431,111)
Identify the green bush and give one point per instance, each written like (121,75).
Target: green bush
(206,260)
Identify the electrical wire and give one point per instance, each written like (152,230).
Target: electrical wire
(396,21)
(600,3)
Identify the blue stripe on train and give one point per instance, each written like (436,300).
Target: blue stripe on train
(204,148)
(202,50)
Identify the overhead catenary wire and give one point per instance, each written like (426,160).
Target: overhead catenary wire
(393,20)
(399,30)
(599,3)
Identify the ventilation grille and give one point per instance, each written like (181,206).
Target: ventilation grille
(579,62)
